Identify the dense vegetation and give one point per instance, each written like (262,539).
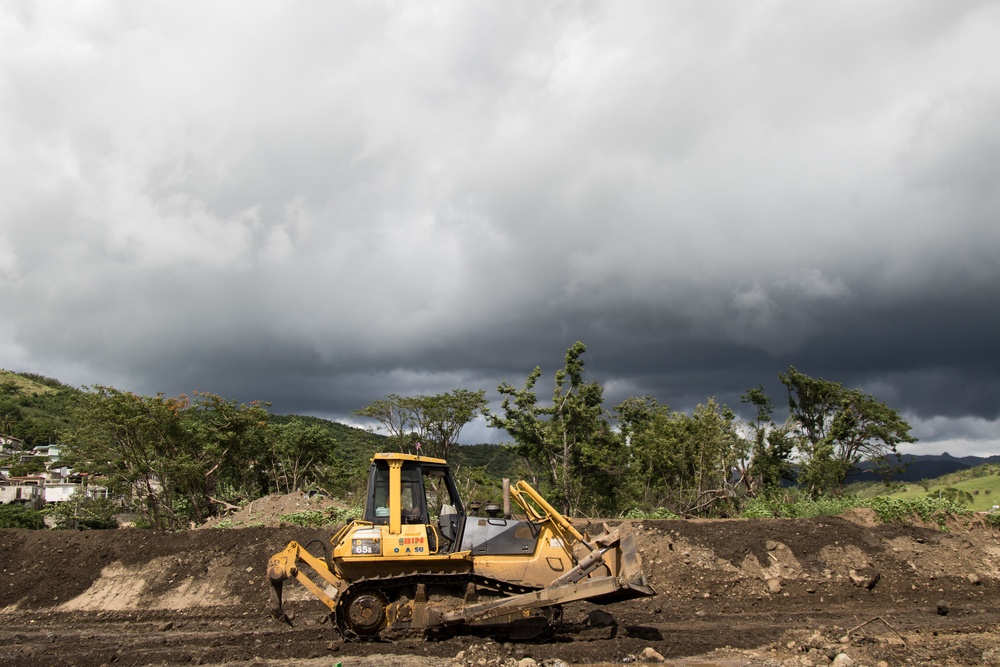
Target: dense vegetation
(644,457)
(180,460)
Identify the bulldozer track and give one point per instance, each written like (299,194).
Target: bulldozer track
(391,586)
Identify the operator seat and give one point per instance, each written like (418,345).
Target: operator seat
(448,523)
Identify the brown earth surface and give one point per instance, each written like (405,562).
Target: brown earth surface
(748,593)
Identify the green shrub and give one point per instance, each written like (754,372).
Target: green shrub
(83,513)
(758,508)
(16,516)
(888,510)
(826,506)
(957,496)
(793,504)
(901,510)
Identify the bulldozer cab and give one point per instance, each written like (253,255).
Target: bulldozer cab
(406,489)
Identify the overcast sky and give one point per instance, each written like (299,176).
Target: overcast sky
(317,204)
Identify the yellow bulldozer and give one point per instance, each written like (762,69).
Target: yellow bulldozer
(420,560)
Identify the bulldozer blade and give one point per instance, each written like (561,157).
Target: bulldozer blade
(627,566)
(630,570)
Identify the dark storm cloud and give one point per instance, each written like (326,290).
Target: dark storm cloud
(318,205)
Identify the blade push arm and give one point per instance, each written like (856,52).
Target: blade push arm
(284,565)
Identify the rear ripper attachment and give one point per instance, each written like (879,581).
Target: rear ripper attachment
(419,561)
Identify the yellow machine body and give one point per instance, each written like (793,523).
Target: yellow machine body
(418,559)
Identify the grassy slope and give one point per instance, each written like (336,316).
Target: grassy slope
(982,482)
(985,491)
(24,386)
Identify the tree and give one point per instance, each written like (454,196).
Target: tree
(434,421)
(959,497)
(570,439)
(718,449)
(767,458)
(168,455)
(35,464)
(297,453)
(682,462)
(656,447)
(440,418)
(130,439)
(839,428)
(395,414)
(10,416)
(645,426)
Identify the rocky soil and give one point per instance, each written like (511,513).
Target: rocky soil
(749,593)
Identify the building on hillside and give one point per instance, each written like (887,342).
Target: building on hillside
(56,484)
(28,490)
(10,447)
(60,492)
(51,452)
(48,452)
(50,487)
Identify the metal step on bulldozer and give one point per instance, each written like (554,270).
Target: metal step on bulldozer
(419,560)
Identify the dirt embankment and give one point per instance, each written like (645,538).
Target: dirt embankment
(739,592)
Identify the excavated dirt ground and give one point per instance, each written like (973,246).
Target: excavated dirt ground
(748,593)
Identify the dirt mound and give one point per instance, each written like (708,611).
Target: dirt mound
(749,592)
(137,569)
(862,516)
(267,512)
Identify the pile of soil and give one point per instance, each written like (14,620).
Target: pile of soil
(753,593)
(270,510)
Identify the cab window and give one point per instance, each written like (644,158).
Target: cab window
(378,503)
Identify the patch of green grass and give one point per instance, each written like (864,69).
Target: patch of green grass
(773,508)
(658,513)
(229,523)
(18,383)
(887,509)
(900,510)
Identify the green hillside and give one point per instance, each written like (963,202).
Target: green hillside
(981,482)
(34,408)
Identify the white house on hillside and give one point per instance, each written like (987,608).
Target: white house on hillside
(56,484)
